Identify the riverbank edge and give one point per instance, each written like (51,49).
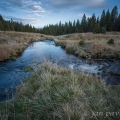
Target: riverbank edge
(23,45)
(91,60)
(87,55)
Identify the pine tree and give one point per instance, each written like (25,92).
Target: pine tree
(103,19)
(78,27)
(108,21)
(74,26)
(93,21)
(1,26)
(114,16)
(96,28)
(118,23)
(84,24)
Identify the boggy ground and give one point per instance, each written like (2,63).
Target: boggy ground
(89,45)
(56,93)
(86,45)
(12,43)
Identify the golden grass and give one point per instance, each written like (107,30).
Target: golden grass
(95,44)
(13,43)
(9,50)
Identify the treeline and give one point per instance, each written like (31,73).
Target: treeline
(10,25)
(108,21)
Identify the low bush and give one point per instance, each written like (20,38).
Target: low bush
(81,43)
(111,42)
(70,50)
(62,44)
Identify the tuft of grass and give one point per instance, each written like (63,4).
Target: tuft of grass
(70,50)
(110,42)
(81,43)
(62,44)
(28,69)
(13,58)
(56,93)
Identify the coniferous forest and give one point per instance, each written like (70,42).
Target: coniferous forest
(108,21)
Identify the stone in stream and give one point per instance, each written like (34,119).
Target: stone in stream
(114,69)
(25,44)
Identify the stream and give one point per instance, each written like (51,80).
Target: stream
(12,72)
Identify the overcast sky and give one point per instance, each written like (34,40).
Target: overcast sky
(43,12)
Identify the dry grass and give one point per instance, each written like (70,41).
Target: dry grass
(13,43)
(95,44)
(9,50)
(56,93)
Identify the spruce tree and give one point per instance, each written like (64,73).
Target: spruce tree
(108,21)
(103,19)
(114,16)
(84,24)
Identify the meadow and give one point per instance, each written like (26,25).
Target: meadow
(89,45)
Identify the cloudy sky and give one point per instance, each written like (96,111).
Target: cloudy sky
(43,12)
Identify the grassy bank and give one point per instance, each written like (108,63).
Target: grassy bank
(56,93)
(86,45)
(13,43)
(89,45)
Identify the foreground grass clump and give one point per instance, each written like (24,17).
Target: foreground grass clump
(55,93)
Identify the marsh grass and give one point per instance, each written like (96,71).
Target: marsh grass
(96,45)
(56,93)
(13,43)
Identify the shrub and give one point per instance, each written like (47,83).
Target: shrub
(81,43)
(63,45)
(111,42)
(42,35)
(70,50)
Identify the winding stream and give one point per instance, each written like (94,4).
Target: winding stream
(12,72)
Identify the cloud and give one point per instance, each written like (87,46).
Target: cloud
(70,3)
(25,5)
(10,4)
(23,20)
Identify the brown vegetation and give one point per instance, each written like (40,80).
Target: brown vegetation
(13,43)
(94,45)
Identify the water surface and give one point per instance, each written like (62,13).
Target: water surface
(12,72)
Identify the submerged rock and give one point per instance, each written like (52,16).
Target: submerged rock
(114,69)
